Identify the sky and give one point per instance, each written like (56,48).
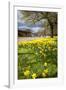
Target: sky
(33,27)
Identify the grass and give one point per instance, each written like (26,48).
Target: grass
(37,58)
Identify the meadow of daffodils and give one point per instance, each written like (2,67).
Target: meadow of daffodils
(37,58)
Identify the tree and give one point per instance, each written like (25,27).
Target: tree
(34,16)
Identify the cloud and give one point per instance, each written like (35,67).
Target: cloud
(23,25)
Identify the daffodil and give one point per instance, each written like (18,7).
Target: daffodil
(46,71)
(26,73)
(43,74)
(41,52)
(34,75)
(45,64)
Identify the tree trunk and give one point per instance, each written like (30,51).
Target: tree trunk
(51,27)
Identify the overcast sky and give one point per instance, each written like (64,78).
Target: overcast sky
(22,24)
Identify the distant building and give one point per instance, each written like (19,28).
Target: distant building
(24,33)
(29,33)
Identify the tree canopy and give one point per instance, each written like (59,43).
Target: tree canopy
(35,16)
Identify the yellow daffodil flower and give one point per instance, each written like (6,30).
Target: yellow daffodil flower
(26,73)
(46,71)
(34,75)
(45,64)
(43,74)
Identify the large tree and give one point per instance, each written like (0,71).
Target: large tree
(34,16)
